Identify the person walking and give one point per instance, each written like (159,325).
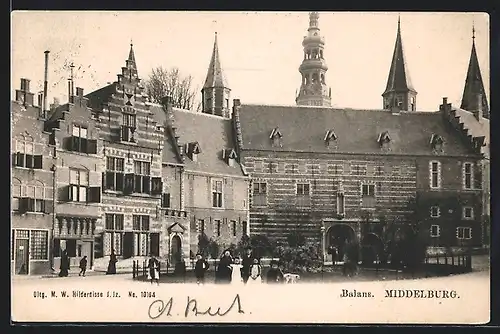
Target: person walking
(154,270)
(64,267)
(200,268)
(112,263)
(83,266)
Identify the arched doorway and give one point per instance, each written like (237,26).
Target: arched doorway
(337,237)
(372,248)
(176,249)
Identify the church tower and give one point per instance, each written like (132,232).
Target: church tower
(313,90)
(474,96)
(215,92)
(399,91)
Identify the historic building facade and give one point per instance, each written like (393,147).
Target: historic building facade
(313,174)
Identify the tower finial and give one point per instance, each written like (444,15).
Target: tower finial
(399,22)
(473,31)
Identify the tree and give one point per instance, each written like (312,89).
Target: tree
(213,249)
(163,82)
(203,244)
(261,245)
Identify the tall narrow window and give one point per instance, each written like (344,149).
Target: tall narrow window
(464,233)
(467,213)
(201,226)
(435,212)
(140,225)
(128,128)
(25,154)
(39,245)
(217,193)
(435,174)
(78,185)
(218,227)
(233,225)
(303,194)
(113,237)
(368,195)
(259,194)
(165,200)
(435,231)
(114,176)
(142,171)
(468,175)
(79,139)
(340,204)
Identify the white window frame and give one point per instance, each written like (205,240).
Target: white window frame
(431,174)
(341,209)
(461,235)
(438,231)
(260,193)
(438,211)
(470,174)
(79,185)
(308,188)
(464,211)
(47,244)
(214,190)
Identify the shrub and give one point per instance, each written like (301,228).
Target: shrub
(261,245)
(203,244)
(213,249)
(296,239)
(300,259)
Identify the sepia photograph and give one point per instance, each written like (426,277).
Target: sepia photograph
(250,167)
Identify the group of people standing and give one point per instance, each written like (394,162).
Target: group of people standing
(247,270)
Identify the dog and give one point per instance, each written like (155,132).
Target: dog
(291,278)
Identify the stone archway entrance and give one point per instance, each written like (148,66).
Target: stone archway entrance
(372,248)
(337,237)
(176,249)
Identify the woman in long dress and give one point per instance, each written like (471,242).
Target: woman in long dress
(223,273)
(255,273)
(236,278)
(112,263)
(154,270)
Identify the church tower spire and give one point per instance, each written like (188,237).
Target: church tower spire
(313,89)
(399,91)
(215,92)
(474,88)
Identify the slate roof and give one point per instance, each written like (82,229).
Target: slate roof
(304,129)
(476,128)
(399,76)
(213,133)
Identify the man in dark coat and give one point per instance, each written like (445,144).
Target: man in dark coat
(200,268)
(112,263)
(247,263)
(154,269)
(274,275)
(64,264)
(224,270)
(83,266)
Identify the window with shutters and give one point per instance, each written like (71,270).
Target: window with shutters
(368,195)
(79,139)
(140,225)
(39,245)
(34,197)
(435,174)
(128,128)
(142,178)
(78,185)
(217,194)
(467,175)
(25,153)
(114,177)
(113,236)
(464,233)
(259,194)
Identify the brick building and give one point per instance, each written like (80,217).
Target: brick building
(200,165)
(32,185)
(344,174)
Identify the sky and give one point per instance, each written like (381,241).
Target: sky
(260,51)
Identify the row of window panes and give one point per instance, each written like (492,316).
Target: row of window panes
(218,223)
(468,176)
(25,204)
(467,212)
(260,188)
(31,191)
(461,232)
(38,240)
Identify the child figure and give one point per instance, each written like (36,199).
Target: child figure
(255,273)
(236,278)
(200,268)
(83,266)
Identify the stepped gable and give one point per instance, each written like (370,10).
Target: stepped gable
(357,131)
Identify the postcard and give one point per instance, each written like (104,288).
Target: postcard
(250,167)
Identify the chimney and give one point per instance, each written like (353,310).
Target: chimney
(479,107)
(45,81)
(236,102)
(70,99)
(79,92)
(23,94)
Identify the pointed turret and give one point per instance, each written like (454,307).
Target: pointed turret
(313,89)
(131,56)
(129,71)
(215,92)
(474,87)
(399,91)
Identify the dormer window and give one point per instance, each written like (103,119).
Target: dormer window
(193,150)
(330,137)
(229,155)
(437,143)
(276,137)
(384,140)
